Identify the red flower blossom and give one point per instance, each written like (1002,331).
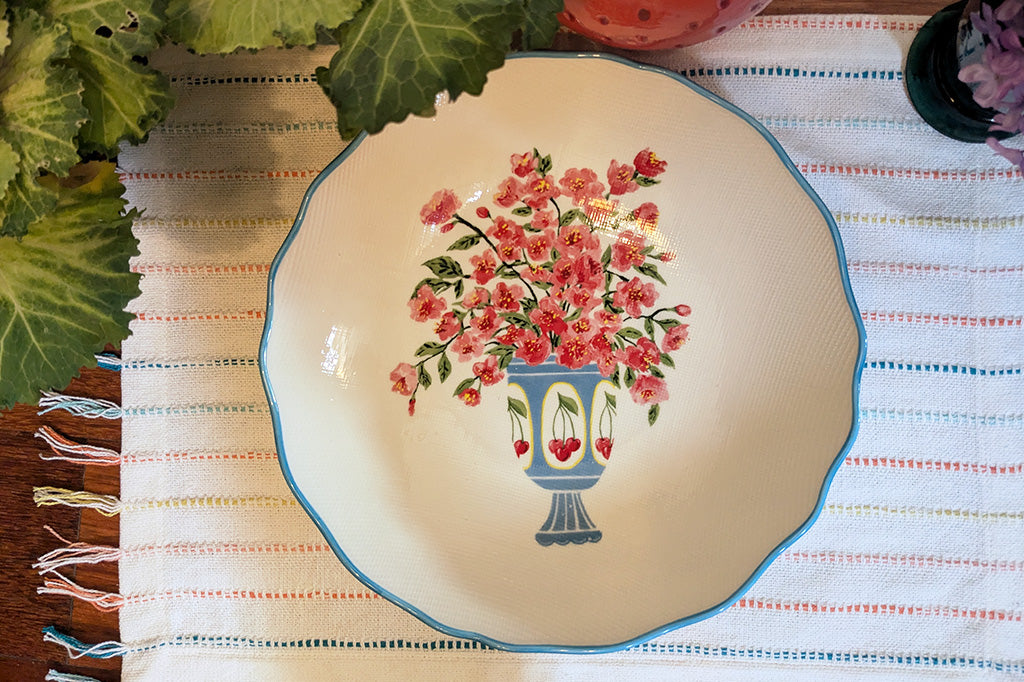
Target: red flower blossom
(682,310)
(573,352)
(524,164)
(544,220)
(483,267)
(441,207)
(646,215)
(647,163)
(649,389)
(620,178)
(412,406)
(587,273)
(536,273)
(641,356)
(512,336)
(509,192)
(467,346)
(505,230)
(540,190)
(549,317)
(403,379)
(506,298)
(486,323)
(634,295)
(575,238)
(675,338)
(532,348)
(470,397)
(482,212)
(609,321)
(626,252)
(488,371)
(448,326)
(476,298)
(581,184)
(426,306)
(538,246)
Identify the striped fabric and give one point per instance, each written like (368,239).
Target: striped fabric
(916,565)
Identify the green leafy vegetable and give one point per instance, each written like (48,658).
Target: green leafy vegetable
(396,55)
(540,23)
(64,286)
(124,97)
(40,113)
(225,25)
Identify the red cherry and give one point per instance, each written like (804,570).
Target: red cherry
(554,445)
(564,453)
(604,446)
(521,447)
(574,444)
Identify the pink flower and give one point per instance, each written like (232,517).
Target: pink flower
(606,362)
(576,238)
(647,163)
(508,251)
(648,389)
(538,246)
(634,295)
(666,256)
(403,379)
(608,320)
(509,192)
(533,349)
(482,212)
(441,207)
(582,325)
(646,215)
(412,406)
(620,178)
(626,252)
(524,164)
(641,356)
(544,220)
(675,338)
(580,297)
(512,336)
(540,190)
(682,310)
(476,298)
(488,371)
(573,352)
(483,267)
(587,273)
(426,306)
(448,326)
(504,230)
(467,346)
(581,184)
(470,397)
(487,323)
(536,273)
(549,317)
(506,298)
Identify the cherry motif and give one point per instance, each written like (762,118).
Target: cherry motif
(521,446)
(604,446)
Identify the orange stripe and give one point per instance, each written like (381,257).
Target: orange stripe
(935,465)
(249,594)
(948,320)
(911,173)
(902,560)
(829,23)
(882,610)
(200,317)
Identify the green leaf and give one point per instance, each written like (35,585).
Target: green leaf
(517,319)
(396,55)
(568,403)
(629,333)
(124,98)
(517,406)
(40,113)
(656,372)
(444,367)
(630,377)
(645,181)
(459,288)
(610,400)
(466,383)
(614,378)
(541,23)
(651,270)
(8,165)
(463,243)
(649,327)
(429,349)
(652,414)
(668,324)
(218,26)
(444,266)
(667,360)
(64,287)
(544,163)
(423,376)
(522,211)
(606,259)
(569,216)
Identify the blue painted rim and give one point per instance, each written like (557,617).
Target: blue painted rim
(668,627)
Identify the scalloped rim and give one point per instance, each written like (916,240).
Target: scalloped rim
(673,625)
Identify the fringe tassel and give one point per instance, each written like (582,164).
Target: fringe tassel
(62,585)
(57,676)
(83,407)
(77,648)
(68,450)
(74,553)
(108,361)
(47,496)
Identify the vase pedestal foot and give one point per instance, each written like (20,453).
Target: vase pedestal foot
(568,522)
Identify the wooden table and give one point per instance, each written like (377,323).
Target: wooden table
(23,654)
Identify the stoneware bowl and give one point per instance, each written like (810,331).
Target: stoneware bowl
(566,365)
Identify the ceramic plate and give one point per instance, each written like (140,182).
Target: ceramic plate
(566,365)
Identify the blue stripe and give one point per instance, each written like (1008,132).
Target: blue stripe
(943,369)
(787,72)
(191,364)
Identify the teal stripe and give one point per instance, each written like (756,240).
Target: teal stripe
(943,417)
(787,72)
(204,408)
(191,364)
